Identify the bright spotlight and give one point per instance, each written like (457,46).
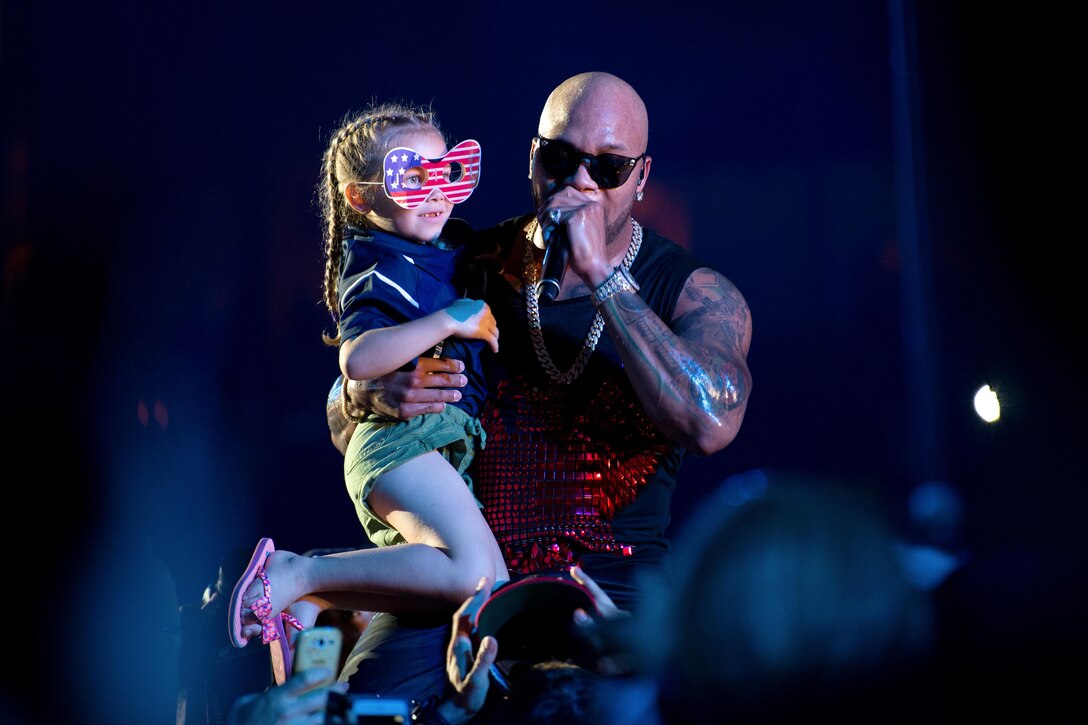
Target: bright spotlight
(987,405)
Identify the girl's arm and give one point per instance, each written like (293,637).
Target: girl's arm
(384,350)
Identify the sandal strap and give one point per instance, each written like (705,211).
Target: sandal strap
(268,627)
(262,605)
(262,609)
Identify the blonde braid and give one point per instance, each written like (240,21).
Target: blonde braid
(354,154)
(331,202)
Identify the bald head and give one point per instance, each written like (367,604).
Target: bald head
(600,105)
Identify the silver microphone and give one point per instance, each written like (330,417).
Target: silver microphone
(556,254)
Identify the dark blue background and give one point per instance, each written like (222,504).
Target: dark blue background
(162,247)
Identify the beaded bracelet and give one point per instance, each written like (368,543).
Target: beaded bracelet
(620,280)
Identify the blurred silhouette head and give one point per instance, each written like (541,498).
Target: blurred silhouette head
(789,602)
(543,693)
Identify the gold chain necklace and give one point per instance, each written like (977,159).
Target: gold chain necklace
(532,309)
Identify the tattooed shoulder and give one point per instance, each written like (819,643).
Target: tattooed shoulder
(709,298)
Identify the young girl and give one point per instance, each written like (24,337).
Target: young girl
(393,284)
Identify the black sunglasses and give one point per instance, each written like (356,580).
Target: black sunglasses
(561,161)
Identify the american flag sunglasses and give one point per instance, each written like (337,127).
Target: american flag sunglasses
(410,178)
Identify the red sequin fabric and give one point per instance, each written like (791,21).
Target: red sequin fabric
(559,462)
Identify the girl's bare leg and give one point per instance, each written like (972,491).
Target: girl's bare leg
(449,547)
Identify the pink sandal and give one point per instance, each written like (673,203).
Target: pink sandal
(273,632)
(272,629)
(234,610)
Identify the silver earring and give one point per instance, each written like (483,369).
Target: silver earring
(638,196)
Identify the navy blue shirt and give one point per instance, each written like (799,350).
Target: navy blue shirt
(386,280)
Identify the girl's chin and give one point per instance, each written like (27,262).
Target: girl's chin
(436,223)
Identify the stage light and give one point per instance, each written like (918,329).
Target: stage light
(987,405)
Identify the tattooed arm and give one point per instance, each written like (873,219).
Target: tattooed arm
(690,375)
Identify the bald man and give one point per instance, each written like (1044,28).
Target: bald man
(602,385)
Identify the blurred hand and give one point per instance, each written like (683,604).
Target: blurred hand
(606,608)
(605,631)
(468,672)
(298,701)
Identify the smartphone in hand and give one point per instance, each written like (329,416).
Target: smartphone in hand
(319,647)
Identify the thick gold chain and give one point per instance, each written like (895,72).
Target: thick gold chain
(532,309)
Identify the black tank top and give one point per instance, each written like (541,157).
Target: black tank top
(576,473)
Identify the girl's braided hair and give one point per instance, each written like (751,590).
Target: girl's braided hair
(355,153)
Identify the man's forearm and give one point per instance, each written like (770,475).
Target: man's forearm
(693,385)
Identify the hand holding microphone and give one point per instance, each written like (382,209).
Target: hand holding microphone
(556,254)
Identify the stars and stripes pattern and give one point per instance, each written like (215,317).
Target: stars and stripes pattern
(462,162)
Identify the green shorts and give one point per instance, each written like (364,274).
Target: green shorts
(381,444)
